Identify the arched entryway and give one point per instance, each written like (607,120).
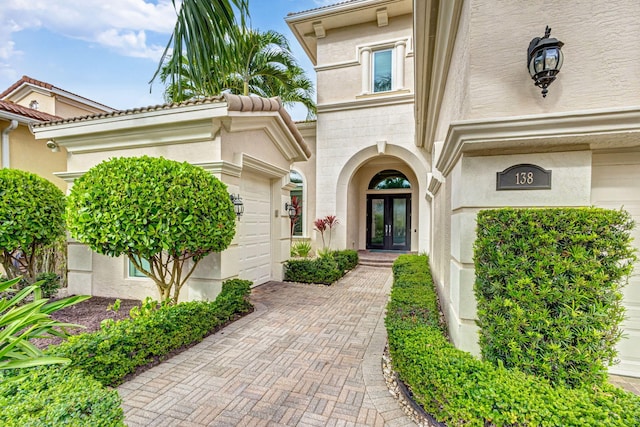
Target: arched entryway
(388,225)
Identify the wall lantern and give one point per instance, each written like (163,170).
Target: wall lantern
(291,209)
(238,204)
(544,59)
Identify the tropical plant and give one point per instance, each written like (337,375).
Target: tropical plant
(200,34)
(21,322)
(165,216)
(326,224)
(261,63)
(295,202)
(301,249)
(31,219)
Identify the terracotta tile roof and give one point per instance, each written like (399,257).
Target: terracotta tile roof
(14,108)
(321,7)
(234,103)
(45,85)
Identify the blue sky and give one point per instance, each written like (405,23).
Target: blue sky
(108,50)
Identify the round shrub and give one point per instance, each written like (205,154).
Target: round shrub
(31,217)
(152,209)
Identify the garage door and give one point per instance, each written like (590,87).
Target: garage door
(255,229)
(615,184)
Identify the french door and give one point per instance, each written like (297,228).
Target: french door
(389,222)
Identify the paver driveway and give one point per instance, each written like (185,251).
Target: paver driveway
(309,355)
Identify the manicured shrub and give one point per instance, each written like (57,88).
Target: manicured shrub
(346,259)
(114,352)
(548,286)
(326,269)
(53,397)
(31,218)
(167,213)
(460,390)
(301,249)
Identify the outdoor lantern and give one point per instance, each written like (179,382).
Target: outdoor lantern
(238,204)
(291,210)
(544,59)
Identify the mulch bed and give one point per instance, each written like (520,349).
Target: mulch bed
(90,314)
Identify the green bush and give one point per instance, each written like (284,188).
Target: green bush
(49,284)
(346,259)
(109,355)
(548,286)
(326,269)
(168,213)
(461,390)
(31,218)
(53,397)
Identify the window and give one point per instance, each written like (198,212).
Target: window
(382,70)
(134,272)
(389,179)
(297,199)
(34,104)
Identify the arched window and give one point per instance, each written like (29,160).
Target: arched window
(296,199)
(389,179)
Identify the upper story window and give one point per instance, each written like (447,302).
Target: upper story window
(382,70)
(383,66)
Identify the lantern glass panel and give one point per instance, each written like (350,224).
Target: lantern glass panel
(551,59)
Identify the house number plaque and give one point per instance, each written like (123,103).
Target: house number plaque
(523,177)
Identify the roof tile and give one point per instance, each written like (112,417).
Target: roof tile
(14,108)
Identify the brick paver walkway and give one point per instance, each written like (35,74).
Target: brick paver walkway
(309,355)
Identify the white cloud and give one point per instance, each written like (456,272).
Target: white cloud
(120,25)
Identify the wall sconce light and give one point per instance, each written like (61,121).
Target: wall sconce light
(53,146)
(544,60)
(291,209)
(238,204)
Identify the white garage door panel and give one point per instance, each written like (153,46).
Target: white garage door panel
(615,185)
(255,231)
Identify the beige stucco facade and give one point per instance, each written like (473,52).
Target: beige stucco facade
(247,143)
(464,109)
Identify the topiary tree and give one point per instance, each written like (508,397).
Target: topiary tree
(31,218)
(165,216)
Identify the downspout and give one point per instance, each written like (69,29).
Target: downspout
(5,142)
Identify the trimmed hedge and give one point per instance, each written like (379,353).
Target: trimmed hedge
(75,395)
(111,354)
(58,396)
(461,390)
(322,270)
(548,286)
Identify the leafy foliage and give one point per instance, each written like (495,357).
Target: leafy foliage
(548,288)
(301,249)
(169,213)
(260,63)
(54,397)
(461,390)
(201,33)
(322,270)
(118,349)
(31,217)
(22,321)
(326,224)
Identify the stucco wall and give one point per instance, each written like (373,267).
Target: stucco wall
(601,56)
(30,155)
(339,71)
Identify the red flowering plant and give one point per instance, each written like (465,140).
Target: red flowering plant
(324,224)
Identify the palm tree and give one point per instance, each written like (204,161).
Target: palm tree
(259,63)
(198,36)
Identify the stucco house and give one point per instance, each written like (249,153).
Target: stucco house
(438,93)
(423,105)
(30,101)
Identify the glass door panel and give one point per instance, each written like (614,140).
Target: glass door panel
(399,223)
(377,225)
